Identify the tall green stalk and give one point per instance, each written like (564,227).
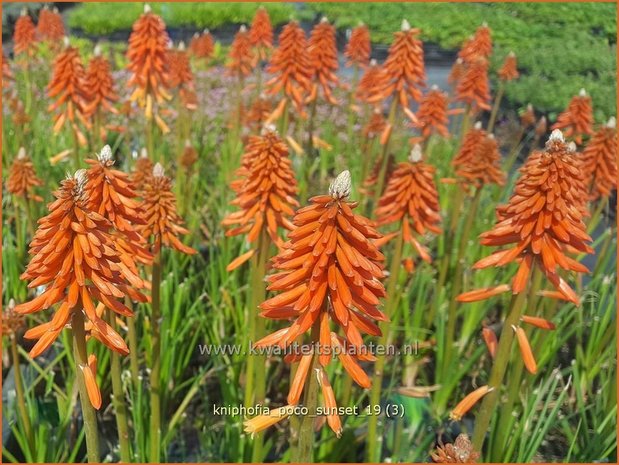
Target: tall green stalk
(19,395)
(380,182)
(155,373)
(88,412)
(495,107)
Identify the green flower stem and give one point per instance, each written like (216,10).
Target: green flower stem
(495,107)
(155,373)
(19,394)
(380,182)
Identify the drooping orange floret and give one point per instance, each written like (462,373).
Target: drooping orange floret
(322,52)
(527,117)
(478,45)
(68,87)
(411,199)
(291,66)
(99,86)
(201,45)
(473,88)
(22,177)
(148,64)
(163,224)
(509,70)
(24,35)
(266,191)
(461,451)
(330,270)
(181,77)
(599,161)
(75,258)
(542,222)
(110,194)
(358,48)
(577,119)
(261,34)
(50,26)
(469,402)
(432,115)
(404,68)
(484,164)
(370,86)
(241,55)
(142,171)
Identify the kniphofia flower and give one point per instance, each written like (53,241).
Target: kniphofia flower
(258,113)
(456,73)
(461,451)
(370,86)
(261,34)
(68,87)
(433,114)
(266,192)
(577,119)
(469,146)
(542,222)
(527,117)
(148,64)
(469,402)
(509,69)
(358,48)
(162,223)
(189,156)
(75,258)
(180,76)
(473,87)
(290,64)
(24,35)
(22,177)
(322,52)
(50,26)
(241,55)
(484,164)
(525,350)
(375,125)
(99,85)
(12,322)
(599,161)
(541,127)
(411,200)
(201,45)
(330,269)
(478,45)
(142,171)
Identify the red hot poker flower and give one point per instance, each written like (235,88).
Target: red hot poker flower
(99,86)
(241,55)
(159,212)
(50,26)
(527,117)
(456,73)
(478,45)
(599,161)
(473,87)
(201,45)
(24,36)
(432,115)
(412,199)
(322,52)
(461,451)
(261,34)
(22,177)
(542,221)
(358,48)
(290,63)
(509,69)
(484,164)
(265,193)
(142,171)
(469,146)
(181,77)
(370,86)
(577,120)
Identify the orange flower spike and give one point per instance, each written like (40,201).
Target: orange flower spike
(162,222)
(469,147)
(180,76)
(110,194)
(525,350)
(290,64)
(484,167)
(541,323)
(543,219)
(22,177)
(50,26)
(541,127)
(473,87)
(358,48)
(12,322)
(142,171)
(99,85)
(456,73)
(461,451)
(432,114)
(375,126)
(412,199)
(490,340)
(202,45)
(322,52)
(469,402)
(577,119)
(477,45)
(527,117)
(148,64)
(261,34)
(68,87)
(370,86)
(241,55)
(258,113)
(509,69)
(404,68)
(599,161)
(24,35)
(266,190)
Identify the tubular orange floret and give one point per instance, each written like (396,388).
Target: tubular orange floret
(477,45)
(68,87)
(456,73)
(50,26)
(261,34)
(22,177)
(262,422)
(202,45)
(577,119)
(241,55)
(75,258)
(162,222)
(484,166)
(461,451)
(322,52)
(181,77)
(148,64)
(111,194)
(291,66)
(599,161)
(266,190)
(538,322)
(468,402)
(543,220)
(432,114)
(490,339)
(412,199)
(525,350)
(358,48)
(473,87)
(509,69)
(24,35)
